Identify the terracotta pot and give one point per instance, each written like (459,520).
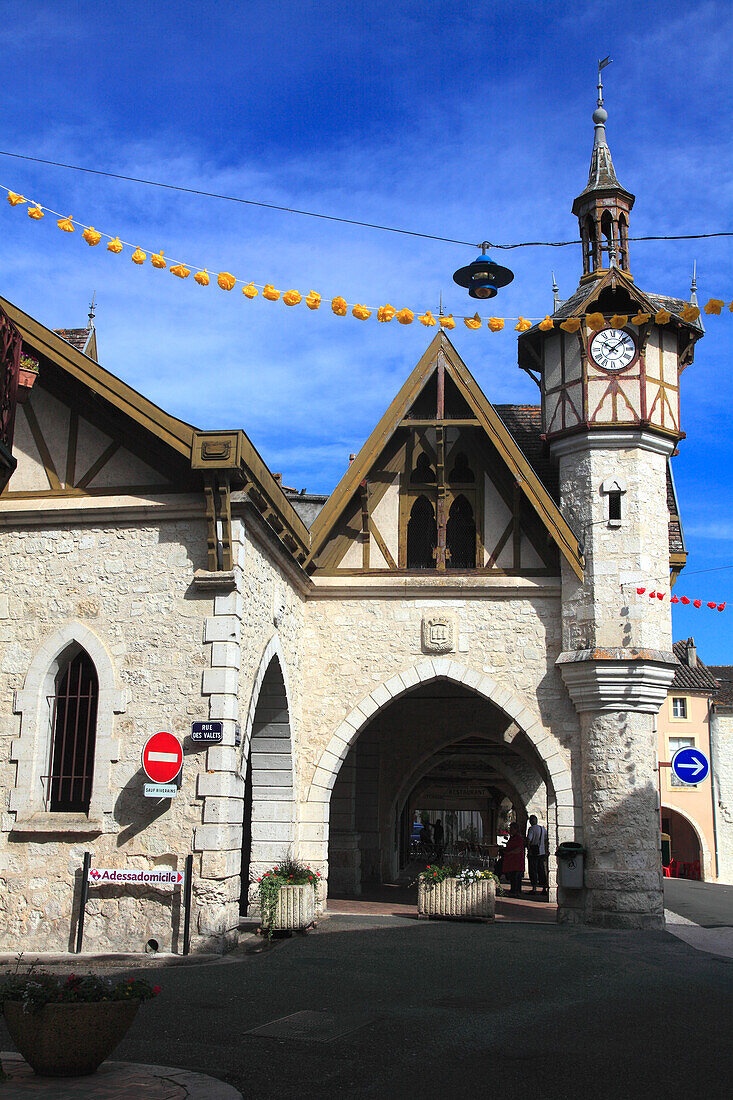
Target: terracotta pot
(69,1040)
(26,382)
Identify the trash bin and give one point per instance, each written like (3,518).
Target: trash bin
(570,865)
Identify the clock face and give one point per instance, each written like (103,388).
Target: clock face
(613,349)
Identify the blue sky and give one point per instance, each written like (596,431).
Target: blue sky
(470,121)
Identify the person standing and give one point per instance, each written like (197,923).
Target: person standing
(512,864)
(537,855)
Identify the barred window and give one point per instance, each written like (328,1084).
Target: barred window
(460,535)
(422,535)
(74,728)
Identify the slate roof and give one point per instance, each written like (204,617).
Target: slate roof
(697,677)
(724,675)
(570,307)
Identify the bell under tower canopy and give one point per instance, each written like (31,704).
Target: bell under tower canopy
(603,207)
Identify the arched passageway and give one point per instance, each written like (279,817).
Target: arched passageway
(686,850)
(439,750)
(269,817)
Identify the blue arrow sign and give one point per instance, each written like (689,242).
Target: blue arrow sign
(690,765)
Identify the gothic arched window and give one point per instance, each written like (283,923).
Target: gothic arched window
(623,230)
(607,233)
(460,535)
(422,535)
(73,735)
(590,243)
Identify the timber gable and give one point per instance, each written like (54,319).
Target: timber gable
(441,484)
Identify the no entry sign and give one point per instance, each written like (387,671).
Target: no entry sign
(162,757)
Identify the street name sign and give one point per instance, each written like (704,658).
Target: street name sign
(160,790)
(116,876)
(162,757)
(207,732)
(690,765)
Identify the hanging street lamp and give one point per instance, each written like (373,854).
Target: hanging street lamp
(483,277)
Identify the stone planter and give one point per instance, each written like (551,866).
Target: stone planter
(68,1040)
(451,900)
(296,908)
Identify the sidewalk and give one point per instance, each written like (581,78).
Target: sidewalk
(113,1081)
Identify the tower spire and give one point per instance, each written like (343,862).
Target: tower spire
(603,207)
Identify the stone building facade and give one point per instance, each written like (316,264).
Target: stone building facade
(459,615)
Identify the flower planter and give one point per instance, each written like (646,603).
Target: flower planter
(452,900)
(26,382)
(68,1040)
(296,908)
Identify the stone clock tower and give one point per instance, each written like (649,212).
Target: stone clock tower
(608,368)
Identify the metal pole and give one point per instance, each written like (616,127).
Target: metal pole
(187,886)
(83,899)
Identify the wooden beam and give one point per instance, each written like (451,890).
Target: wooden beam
(99,464)
(71,448)
(433,422)
(516,519)
(364,496)
(212,557)
(440,550)
(383,548)
(225,520)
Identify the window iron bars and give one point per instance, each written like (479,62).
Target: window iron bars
(73,728)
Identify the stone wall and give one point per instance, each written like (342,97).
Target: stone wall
(127,592)
(721,737)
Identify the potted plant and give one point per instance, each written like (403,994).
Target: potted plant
(458,893)
(65,1026)
(288,897)
(27,374)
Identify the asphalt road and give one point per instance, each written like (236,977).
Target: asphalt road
(398,1007)
(705,903)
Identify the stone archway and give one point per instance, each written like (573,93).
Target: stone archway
(315,818)
(268,833)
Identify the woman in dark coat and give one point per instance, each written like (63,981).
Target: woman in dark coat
(513,861)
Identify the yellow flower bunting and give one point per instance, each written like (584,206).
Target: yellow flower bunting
(547,324)
(641,319)
(226,280)
(427,319)
(730,308)
(361,312)
(157,260)
(292,297)
(115,245)
(405,316)
(472,322)
(202,278)
(386,313)
(447,322)
(595,321)
(619,320)
(91,236)
(571,325)
(496,324)
(662,317)
(523,325)
(690,313)
(312,299)
(180,270)
(36,213)
(339,307)
(14,199)
(138,256)
(270,293)
(250,291)
(714,305)
(65,225)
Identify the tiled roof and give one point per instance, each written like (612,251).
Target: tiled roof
(724,675)
(525,424)
(573,306)
(697,677)
(77,337)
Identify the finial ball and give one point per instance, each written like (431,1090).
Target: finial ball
(600,115)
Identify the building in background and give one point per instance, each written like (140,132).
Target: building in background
(721,735)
